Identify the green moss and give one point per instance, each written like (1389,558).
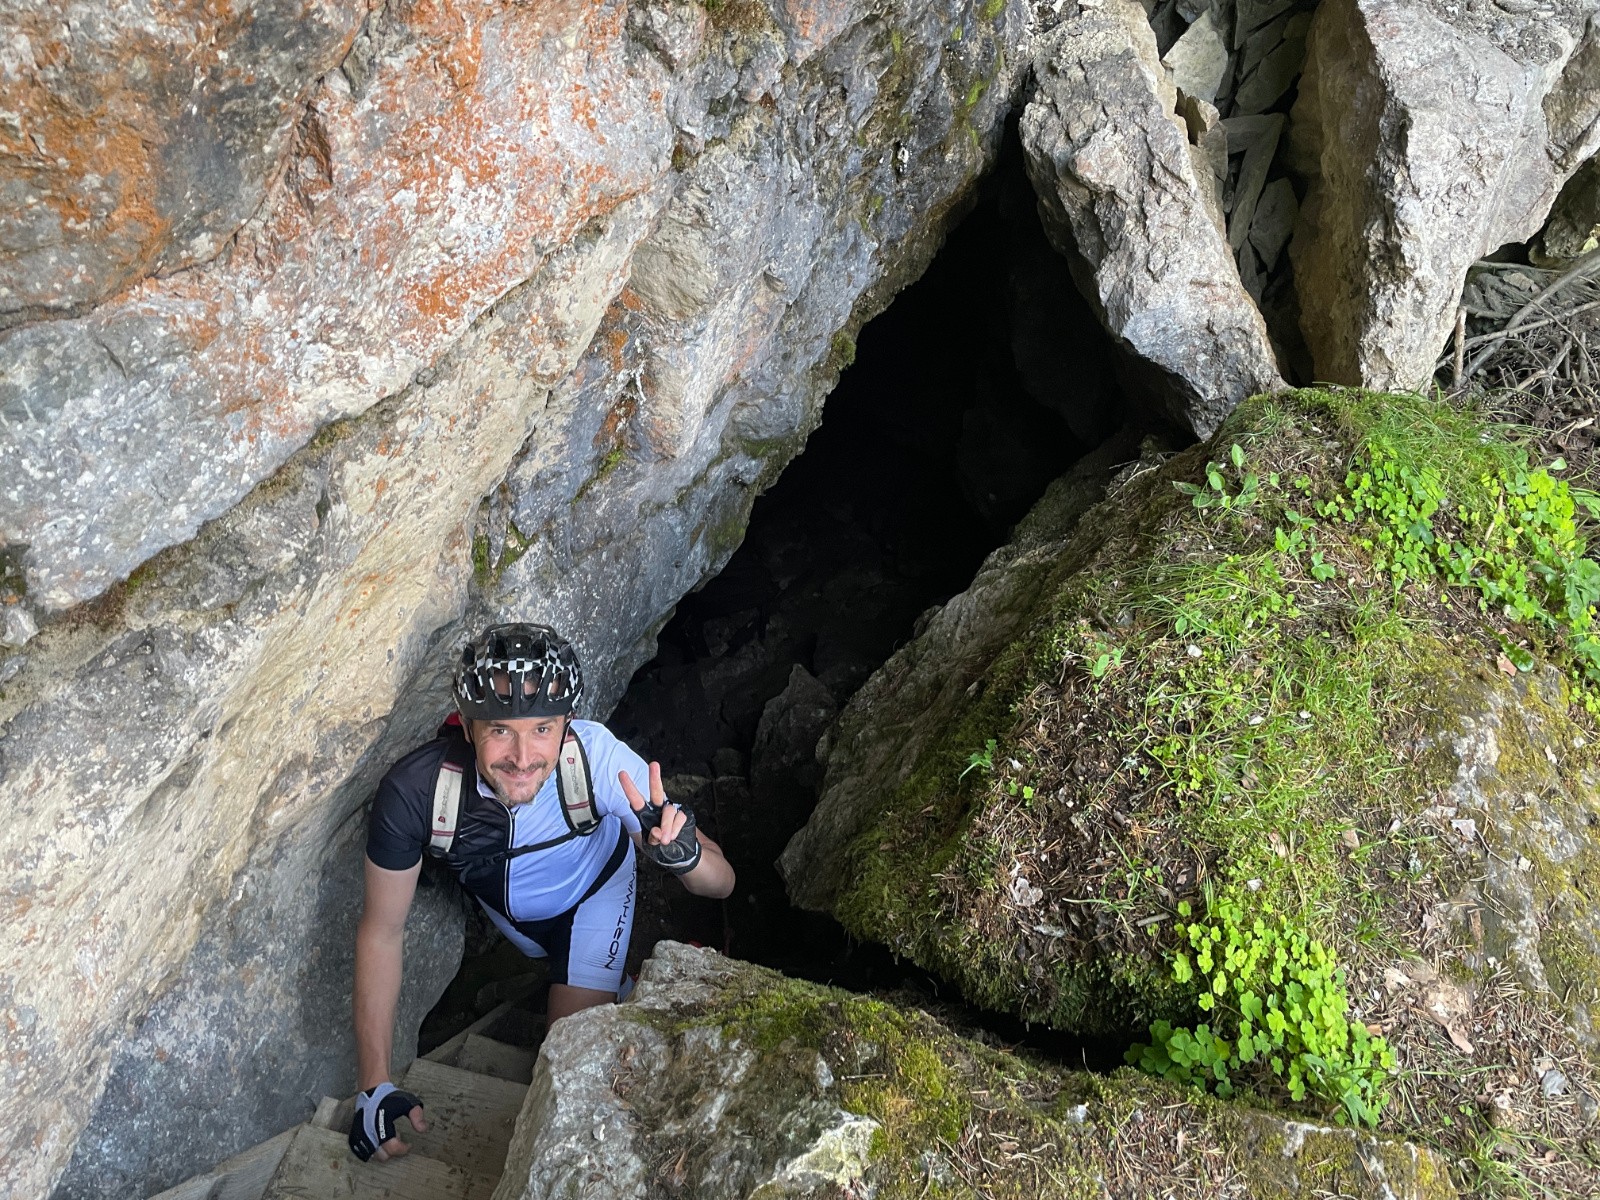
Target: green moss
(740,17)
(13,578)
(843,351)
(139,577)
(481,569)
(608,463)
(1208,699)
(959,1118)
(992,9)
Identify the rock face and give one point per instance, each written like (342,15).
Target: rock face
(594,262)
(1125,200)
(156,163)
(1428,135)
(1574,226)
(722,1080)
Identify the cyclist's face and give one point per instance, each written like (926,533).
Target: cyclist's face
(515,757)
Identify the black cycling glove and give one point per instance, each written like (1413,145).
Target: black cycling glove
(376,1112)
(682,854)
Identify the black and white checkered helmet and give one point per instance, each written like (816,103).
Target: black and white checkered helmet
(518,670)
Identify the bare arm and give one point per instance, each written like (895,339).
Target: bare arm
(713,876)
(379,941)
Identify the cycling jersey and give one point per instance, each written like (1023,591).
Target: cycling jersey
(564,896)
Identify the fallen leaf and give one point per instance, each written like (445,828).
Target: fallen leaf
(1505,664)
(1448,1006)
(1024,894)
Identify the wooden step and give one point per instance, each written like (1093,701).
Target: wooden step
(318,1165)
(489,1057)
(470,1116)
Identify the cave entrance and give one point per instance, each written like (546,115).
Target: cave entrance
(983,382)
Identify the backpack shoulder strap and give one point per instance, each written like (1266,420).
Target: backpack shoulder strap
(575,787)
(449,791)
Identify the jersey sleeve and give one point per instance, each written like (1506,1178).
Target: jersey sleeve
(609,756)
(398,828)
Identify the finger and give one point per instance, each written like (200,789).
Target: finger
(635,800)
(418,1121)
(657,792)
(393,1148)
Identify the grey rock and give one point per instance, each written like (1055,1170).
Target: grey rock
(614,1087)
(248,686)
(1258,137)
(1199,59)
(682,1090)
(1208,149)
(1575,219)
(259,1021)
(1426,137)
(1262,42)
(17,626)
(1251,15)
(783,760)
(1273,221)
(1121,198)
(1272,76)
(1552,1084)
(1505,740)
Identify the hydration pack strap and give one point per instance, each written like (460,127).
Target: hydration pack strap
(449,793)
(574,789)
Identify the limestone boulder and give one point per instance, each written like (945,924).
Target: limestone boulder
(1206,691)
(1129,202)
(556,292)
(720,1079)
(1427,135)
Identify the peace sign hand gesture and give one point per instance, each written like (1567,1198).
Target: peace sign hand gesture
(669,835)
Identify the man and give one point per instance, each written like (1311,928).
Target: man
(553,868)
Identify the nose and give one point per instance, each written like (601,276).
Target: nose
(522,751)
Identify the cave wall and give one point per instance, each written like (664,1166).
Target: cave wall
(533,301)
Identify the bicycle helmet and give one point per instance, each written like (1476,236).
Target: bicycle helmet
(518,670)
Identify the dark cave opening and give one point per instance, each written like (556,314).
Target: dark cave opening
(983,382)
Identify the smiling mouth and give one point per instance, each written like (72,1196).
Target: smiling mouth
(517,775)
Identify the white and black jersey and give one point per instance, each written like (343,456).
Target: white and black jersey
(571,900)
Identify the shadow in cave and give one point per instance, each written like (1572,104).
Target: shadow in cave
(983,382)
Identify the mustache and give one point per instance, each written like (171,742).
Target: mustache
(510,766)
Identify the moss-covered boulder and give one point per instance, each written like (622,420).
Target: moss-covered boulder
(1282,759)
(723,1079)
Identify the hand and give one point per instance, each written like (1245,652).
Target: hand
(372,1128)
(669,834)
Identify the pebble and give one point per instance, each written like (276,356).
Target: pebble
(1553,1083)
